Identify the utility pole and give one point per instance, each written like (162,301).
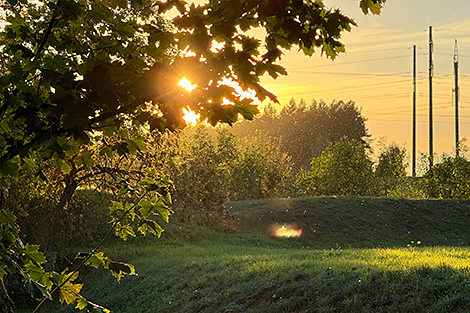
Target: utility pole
(431,72)
(413,161)
(456,90)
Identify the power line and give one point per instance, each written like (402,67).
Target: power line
(349,74)
(350,62)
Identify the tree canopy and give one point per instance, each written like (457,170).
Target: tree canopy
(305,130)
(74,73)
(74,67)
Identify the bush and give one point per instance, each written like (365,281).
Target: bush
(215,169)
(199,193)
(390,173)
(449,179)
(305,130)
(344,168)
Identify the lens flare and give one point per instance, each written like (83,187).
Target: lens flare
(286,230)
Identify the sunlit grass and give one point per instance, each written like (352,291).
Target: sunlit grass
(252,259)
(231,278)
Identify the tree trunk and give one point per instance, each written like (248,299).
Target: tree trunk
(60,219)
(6,305)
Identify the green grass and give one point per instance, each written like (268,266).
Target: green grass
(355,255)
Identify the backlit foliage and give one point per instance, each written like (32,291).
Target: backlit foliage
(304,130)
(344,168)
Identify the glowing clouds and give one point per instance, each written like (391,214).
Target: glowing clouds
(286,230)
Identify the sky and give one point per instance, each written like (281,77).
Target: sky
(377,71)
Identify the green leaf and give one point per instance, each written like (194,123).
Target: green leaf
(166,180)
(9,169)
(85,159)
(69,291)
(119,268)
(248,111)
(136,144)
(375,6)
(139,143)
(117,206)
(64,166)
(162,209)
(37,290)
(123,231)
(96,260)
(7,218)
(274,70)
(145,207)
(37,273)
(83,304)
(150,225)
(32,253)
(106,151)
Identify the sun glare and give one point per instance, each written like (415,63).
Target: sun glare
(190,116)
(285,230)
(186,84)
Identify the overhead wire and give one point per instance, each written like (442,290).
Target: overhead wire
(350,62)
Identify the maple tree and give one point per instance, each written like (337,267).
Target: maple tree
(74,73)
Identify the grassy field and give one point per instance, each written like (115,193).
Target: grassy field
(354,255)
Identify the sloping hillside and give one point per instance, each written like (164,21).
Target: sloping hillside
(361,222)
(355,255)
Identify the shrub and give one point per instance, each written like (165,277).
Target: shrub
(390,172)
(344,168)
(449,179)
(214,169)
(305,130)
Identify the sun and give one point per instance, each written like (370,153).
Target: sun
(186,84)
(190,117)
